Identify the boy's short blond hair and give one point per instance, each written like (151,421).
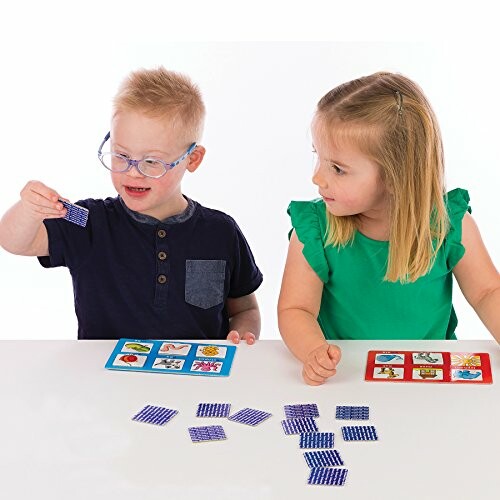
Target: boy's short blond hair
(161,93)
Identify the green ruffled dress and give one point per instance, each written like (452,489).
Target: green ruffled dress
(357,304)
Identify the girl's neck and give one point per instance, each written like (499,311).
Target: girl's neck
(375,228)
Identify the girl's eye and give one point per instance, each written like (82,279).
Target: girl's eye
(337,169)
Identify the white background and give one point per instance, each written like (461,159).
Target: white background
(61,68)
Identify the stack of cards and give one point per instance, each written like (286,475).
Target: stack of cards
(300,418)
(326,464)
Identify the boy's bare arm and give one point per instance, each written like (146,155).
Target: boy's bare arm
(22,231)
(478,278)
(244,318)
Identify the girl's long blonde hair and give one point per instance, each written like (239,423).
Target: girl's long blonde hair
(389,119)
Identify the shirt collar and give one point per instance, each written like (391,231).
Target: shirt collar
(152,221)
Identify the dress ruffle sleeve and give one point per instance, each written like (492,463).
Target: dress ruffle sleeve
(305,217)
(457,202)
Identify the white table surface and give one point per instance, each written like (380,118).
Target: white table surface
(68,434)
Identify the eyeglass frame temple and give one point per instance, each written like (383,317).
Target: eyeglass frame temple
(99,151)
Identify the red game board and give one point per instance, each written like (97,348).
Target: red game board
(430,367)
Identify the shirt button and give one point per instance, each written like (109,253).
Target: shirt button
(161,233)
(162,255)
(162,279)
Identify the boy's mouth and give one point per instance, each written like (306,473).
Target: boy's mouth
(136,191)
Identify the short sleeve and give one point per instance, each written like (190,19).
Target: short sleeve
(245,275)
(457,202)
(68,243)
(305,218)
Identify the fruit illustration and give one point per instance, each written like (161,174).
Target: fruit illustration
(137,347)
(128,358)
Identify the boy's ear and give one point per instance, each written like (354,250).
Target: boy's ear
(195,158)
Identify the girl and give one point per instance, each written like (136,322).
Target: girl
(373,257)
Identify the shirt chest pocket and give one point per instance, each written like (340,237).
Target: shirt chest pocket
(205,282)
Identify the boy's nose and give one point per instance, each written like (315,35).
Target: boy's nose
(134,171)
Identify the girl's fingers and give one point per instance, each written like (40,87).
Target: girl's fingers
(323,359)
(309,380)
(312,374)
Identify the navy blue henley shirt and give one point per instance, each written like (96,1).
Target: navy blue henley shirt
(137,277)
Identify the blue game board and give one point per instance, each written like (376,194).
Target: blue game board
(172,356)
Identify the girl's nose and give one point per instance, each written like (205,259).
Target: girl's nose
(317,178)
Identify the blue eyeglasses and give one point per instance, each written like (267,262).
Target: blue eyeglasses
(149,167)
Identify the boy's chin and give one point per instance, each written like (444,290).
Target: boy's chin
(134,204)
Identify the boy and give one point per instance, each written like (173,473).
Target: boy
(150,263)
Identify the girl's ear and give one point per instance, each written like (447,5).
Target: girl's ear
(195,158)
(388,186)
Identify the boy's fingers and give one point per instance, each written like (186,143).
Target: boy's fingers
(249,337)
(49,210)
(39,188)
(234,337)
(42,197)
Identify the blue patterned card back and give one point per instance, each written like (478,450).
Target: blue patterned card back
(213,410)
(359,433)
(302,411)
(249,416)
(328,476)
(75,213)
(299,425)
(207,433)
(352,412)
(156,415)
(316,440)
(324,458)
